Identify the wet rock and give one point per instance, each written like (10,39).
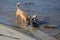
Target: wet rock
(49,26)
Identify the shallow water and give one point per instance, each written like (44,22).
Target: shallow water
(50,9)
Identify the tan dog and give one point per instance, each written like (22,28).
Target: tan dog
(24,19)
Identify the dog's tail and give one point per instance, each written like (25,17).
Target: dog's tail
(18,4)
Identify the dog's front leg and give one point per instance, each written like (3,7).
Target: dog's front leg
(20,22)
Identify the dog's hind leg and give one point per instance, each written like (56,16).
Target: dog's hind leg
(17,20)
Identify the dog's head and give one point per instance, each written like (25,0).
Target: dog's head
(28,20)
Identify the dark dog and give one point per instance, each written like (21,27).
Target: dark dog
(34,21)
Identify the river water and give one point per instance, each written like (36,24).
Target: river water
(45,8)
(42,8)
